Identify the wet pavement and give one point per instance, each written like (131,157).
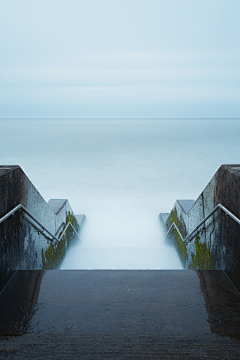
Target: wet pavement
(120,314)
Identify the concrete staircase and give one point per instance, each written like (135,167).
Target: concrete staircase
(123,314)
(206,232)
(27,239)
(119,314)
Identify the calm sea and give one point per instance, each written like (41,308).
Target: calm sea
(121,173)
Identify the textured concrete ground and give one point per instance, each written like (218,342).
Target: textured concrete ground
(120,315)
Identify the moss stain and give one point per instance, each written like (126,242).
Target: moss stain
(202,260)
(176,239)
(54,254)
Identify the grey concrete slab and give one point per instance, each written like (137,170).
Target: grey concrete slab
(120,315)
(56,204)
(80,219)
(7,168)
(120,301)
(114,346)
(186,204)
(163,217)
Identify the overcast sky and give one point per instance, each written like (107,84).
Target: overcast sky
(120,58)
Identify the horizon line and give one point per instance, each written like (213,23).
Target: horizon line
(120,118)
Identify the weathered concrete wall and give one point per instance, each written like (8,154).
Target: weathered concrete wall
(22,245)
(228,194)
(200,253)
(216,245)
(12,192)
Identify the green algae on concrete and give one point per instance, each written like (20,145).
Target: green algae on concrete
(175,239)
(53,256)
(70,218)
(202,259)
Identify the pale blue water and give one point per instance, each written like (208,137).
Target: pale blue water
(121,174)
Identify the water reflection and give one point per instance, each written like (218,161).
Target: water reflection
(222,303)
(18,302)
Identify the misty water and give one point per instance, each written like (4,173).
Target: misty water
(120,173)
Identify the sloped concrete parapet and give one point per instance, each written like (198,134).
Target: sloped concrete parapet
(163,218)
(23,244)
(216,245)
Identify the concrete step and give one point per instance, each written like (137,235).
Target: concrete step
(138,314)
(100,346)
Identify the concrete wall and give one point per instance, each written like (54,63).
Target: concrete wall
(22,245)
(217,243)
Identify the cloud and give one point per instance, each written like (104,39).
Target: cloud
(125,79)
(129,68)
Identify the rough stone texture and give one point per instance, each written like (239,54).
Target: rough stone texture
(120,315)
(23,245)
(216,245)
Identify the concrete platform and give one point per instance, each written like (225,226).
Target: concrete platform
(186,205)
(80,219)
(57,204)
(106,314)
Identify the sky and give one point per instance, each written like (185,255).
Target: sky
(119,58)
